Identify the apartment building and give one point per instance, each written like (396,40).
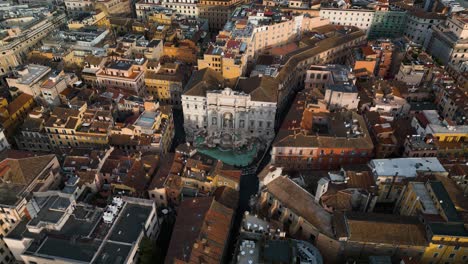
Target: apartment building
(335,83)
(68,127)
(94,18)
(114,233)
(226,58)
(153,130)
(260,28)
(419,25)
(190,174)
(13,113)
(360,18)
(137,46)
(127,75)
(447,136)
(391,174)
(384,97)
(117,8)
(32,136)
(203,226)
(189,8)
(41,82)
(388,22)
(447,243)
(92,64)
(217,12)
(185,51)
(416,200)
(417,146)
(17,43)
(451,103)
(382,133)
(447,236)
(144,8)
(373,59)
(314,50)
(412,73)
(346,190)
(166,84)
(123,174)
(320,140)
(364,234)
(278,200)
(77,7)
(449,43)
(28,78)
(22,172)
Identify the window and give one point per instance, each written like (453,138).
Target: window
(436,254)
(452,255)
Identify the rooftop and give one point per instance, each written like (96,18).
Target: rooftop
(445,201)
(84,236)
(385,229)
(304,127)
(424,197)
(287,192)
(405,167)
(18,172)
(120,65)
(32,73)
(147,119)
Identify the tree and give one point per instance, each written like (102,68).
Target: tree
(147,251)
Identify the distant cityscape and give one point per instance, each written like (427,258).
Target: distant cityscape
(234,131)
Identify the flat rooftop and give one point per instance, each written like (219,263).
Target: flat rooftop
(345,88)
(84,237)
(11,193)
(424,197)
(120,65)
(405,167)
(130,223)
(32,73)
(146,119)
(52,209)
(112,253)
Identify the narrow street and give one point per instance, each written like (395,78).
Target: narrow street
(248,187)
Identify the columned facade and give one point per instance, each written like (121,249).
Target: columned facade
(229,116)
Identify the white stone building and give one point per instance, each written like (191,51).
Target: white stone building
(143,8)
(449,41)
(360,18)
(183,7)
(419,24)
(336,83)
(225,116)
(77,7)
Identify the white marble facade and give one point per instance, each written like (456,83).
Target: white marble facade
(228,117)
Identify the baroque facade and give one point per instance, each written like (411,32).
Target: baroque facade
(225,116)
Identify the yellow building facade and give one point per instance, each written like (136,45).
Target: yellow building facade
(12,114)
(82,127)
(448,248)
(166,84)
